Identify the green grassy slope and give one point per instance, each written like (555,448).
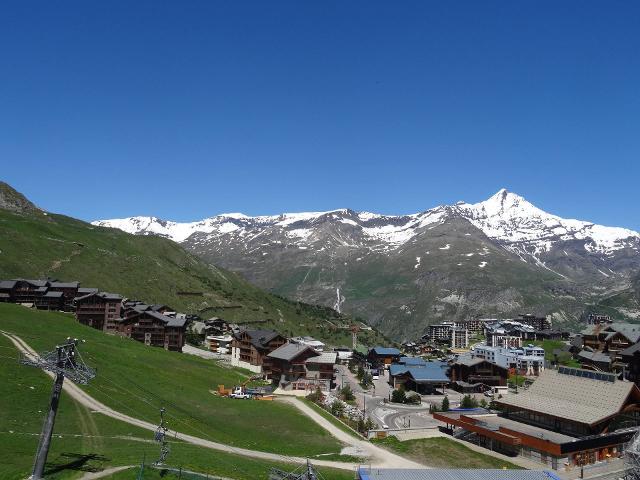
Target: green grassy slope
(85,441)
(138,380)
(34,244)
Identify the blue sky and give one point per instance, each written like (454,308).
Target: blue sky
(187,109)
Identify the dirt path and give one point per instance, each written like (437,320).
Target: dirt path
(105,473)
(377,456)
(91,403)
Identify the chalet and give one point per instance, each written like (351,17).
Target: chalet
(100,310)
(69,292)
(612,339)
(383,356)
(474,370)
(424,379)
(50,301)
(155,329)
(631,357)
(300,367)
(27,291)
(567,417)
(594,360)
(250,348)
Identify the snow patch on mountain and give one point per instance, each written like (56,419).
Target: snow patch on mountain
(506,217)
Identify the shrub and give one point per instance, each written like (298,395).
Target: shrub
(347,394)
(414,399)
(398,396)
(337,408)
(315,396)
(445,404)
(468,402)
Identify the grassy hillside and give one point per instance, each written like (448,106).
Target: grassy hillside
(138,380)
(34,244)
(85,441)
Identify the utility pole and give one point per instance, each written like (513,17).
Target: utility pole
(160,437)
(64,361)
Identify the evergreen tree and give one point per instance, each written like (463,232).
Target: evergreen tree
(445,404)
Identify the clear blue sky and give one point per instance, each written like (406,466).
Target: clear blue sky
(188,109)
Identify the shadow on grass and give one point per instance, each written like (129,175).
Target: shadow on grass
(75,461)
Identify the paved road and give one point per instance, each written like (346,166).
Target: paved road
(377,456)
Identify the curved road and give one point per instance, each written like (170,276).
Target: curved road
(379,457)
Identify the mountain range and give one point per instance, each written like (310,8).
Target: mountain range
(496,258)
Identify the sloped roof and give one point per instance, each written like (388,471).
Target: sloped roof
(7,283)
(629,330)
(429,372)
(576,398)
(65,284)
(412,360)
(259,338)
(53,295)
(385,351)
(104,295)
(595,356)
(289,351)
(631,350)
(325,357)
(169,321)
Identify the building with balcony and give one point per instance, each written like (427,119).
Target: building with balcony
(250,348)
(99,310)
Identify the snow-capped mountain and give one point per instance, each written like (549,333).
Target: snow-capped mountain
(498,256)
(505,217)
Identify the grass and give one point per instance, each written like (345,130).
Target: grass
(550,346)
(85,441)
(152,269)
(138,380)
(335,421)
(443,453)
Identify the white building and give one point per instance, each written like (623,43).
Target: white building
(219,343)
(528,360)
(317,345)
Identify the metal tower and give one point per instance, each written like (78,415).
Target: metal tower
(632,458)
(64,361)
(160,437)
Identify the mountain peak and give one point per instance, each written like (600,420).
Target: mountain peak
(11,199)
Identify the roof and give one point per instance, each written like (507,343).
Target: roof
(631,350)
(64,284)
(412,361)
(470,361)
(170,321)
(595,356)
(574,397)
(289,351)
(35,283)
(629,330)
(260,338)
(325,357)
(7,284)
(365,473)
(429,372)
(385,351)
(104,295)
(85,290)
(53,295)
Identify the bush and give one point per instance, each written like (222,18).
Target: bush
(445,404)
(398,396)
(413,399)
(337,408)
(468,402)
(347,394)
(315,396)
